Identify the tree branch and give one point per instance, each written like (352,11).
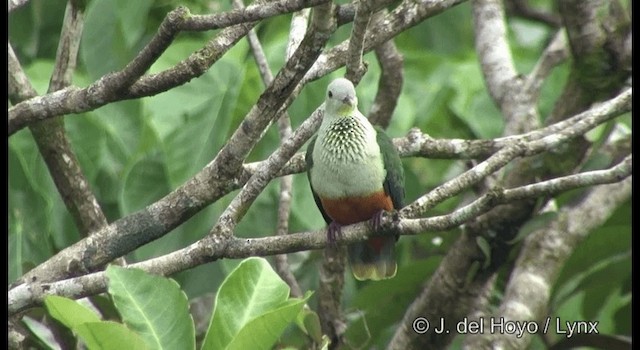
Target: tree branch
(254,12)
(129,83)
(298,26)
(212,248)
(520,8)
(214,180)
(449,293)
(125,234)
(14,4)
(555,53)
(542,257)
(492,48)
(20,87)
(403,17)
(356,68)
(51,137)
(389,85)
(229,159)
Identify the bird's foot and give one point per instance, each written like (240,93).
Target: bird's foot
(333,232)
(376,220)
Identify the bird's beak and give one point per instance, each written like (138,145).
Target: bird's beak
(349,100)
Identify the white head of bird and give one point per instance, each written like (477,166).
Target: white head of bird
(341,99)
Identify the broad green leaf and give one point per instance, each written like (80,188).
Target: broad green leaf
(39,73)
(615,271)
(69,312)
(193,120)
(472,103)
(251,290)
(152,306)
(132,17)
(309,321)
(42,332)
(33,201)
(111,34)
(108,335)
(607,242)
(145,183)
(263,331)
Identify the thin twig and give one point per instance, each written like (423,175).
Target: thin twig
(389,84)
(555,53)
(355,65)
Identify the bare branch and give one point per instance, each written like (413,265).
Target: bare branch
(505,86)
(128,83)
(403,17)
(389,85)
(157,219)
(20,87)
(67,53)
(14,4)
(356,68)
(299,23)
(230,158)
(542,257)
(522,9)
(516,149)
(555,53)
(419,144)
(212,248)
(52,140)
(493,49)
(251,13)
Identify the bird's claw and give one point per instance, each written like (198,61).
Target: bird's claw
(376,220)
(333,232)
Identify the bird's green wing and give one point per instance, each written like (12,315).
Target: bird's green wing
(308,158)
(394,181)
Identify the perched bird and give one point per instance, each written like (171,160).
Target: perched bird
(355,174)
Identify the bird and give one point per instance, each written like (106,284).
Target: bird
(355,174)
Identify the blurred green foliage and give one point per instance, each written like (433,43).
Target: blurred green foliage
(135,152)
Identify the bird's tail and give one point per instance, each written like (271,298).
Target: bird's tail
(373,259)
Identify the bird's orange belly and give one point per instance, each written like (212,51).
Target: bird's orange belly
(347,211)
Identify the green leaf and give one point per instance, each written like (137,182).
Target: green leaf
(472,103)
(69,312)
(484,246)
(111,35)
(309,322)
(615,271)
(263,331)
(41,332)
(108,335)
(145,183)
(252,290)
(193,120)
(154,307)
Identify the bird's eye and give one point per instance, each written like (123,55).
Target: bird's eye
(330,94)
